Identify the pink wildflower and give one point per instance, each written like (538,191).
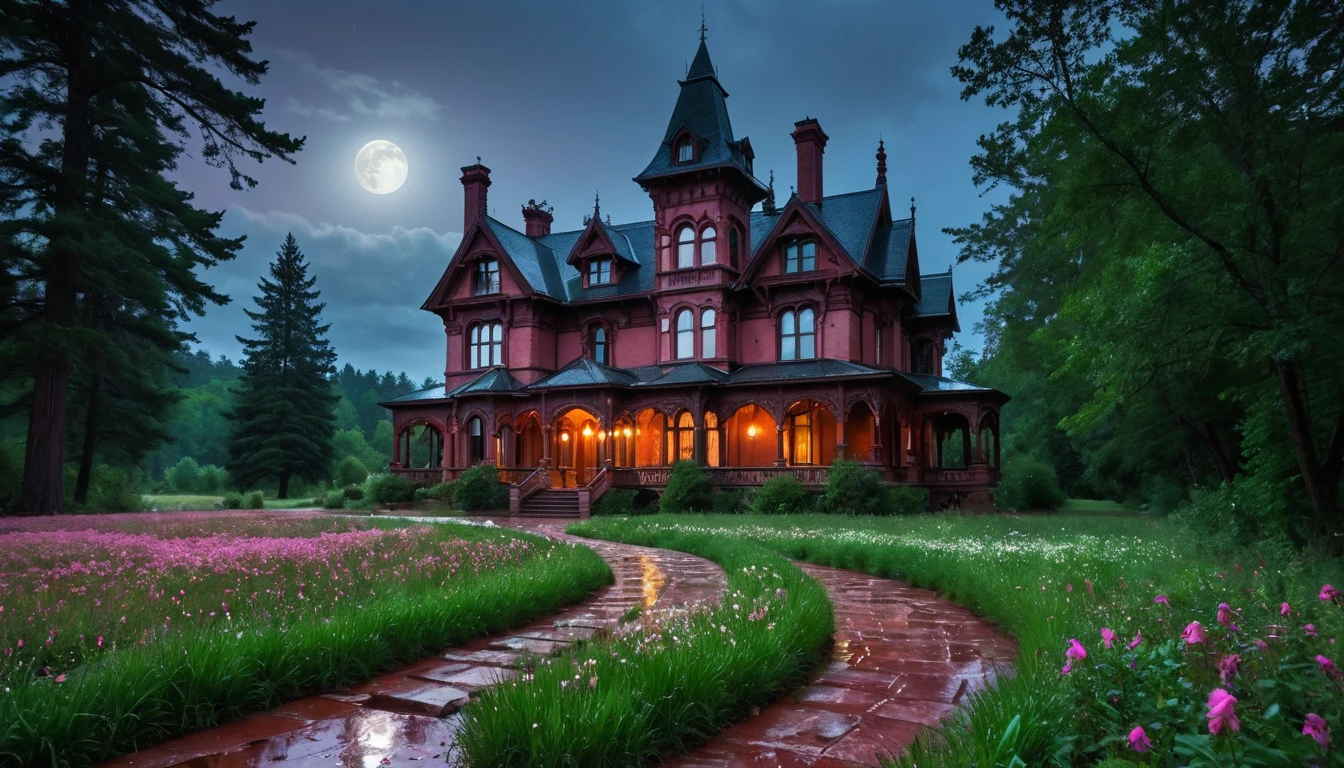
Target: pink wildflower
(1310,629)
(1193,634)
(1328,592)
(60,678)
(1222,711)
(1285,609)
(1138,740)
(1224,614)
(592,681)
(1316,727)
(1327,666)
(100,641)
(1088,582)
(1261,644)
(1161,600)
(1107,637)
(1227,667)
(1067,668)
(1138,638)
(1075,651)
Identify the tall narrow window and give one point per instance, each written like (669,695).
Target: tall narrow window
(486,345)
(798,335)
(685,334)
(708,335)
(923,356)
(712,442)
(599,271)
(685,152)
(684,446)
(486,280)
(800,434)
(877,345)
(685,248)
(707,236)
(800,257)
(476,434)
(600,346)
(732,248)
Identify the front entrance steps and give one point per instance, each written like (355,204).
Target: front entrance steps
(552,503)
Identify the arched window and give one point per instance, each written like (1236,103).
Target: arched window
(685,248)
(685,151)
(486,279)
(798,335)
(708,334)
(707,245)
(732,248)
(486,345)
(476,439)
(600,350)
(923,356)
(685,334)
(800,257)
(713,441)
(681,439)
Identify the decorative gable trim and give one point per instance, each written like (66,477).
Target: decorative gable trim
(795,220)
(478,240)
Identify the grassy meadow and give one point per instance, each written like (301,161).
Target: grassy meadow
(1052,579)
(118,631)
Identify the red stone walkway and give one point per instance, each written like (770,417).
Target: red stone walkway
(409,717)
(903,658)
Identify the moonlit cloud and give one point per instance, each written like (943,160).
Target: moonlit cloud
(372,282)
(364,94)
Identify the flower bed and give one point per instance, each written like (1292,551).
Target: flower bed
(117,631)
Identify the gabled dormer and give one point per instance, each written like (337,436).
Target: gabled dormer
(799,248)
(479,272)
(597,256)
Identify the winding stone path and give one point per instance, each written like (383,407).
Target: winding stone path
(409,717)
(903,658)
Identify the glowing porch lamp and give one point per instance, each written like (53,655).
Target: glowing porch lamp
(564,437)
(628,432)
(601,435)
(587,431)
(751,431)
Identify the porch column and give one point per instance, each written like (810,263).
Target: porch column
(966,445)
(546,443)
(779,445)
(396,449)
(938,443)
(699,444)
(446,459)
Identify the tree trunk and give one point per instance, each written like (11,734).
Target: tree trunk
(1320,480)
(90,446)
(1227,466)
(42,490)
(284,486)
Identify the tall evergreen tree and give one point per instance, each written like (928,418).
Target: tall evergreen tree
(97,100)
(285,412)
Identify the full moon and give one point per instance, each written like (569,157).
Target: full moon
(381,167)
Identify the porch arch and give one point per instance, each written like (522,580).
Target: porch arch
(420,444)
(810,434)
(749,438)
(861,438)
(574,433)
(529,441)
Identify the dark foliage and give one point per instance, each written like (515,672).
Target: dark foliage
(688,489)
(853,489)
(479,489)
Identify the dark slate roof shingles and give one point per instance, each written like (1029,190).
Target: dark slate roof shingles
(585,373)
(935,295)
(801,369)
(930,383)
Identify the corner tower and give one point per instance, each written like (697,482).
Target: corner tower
(703,187)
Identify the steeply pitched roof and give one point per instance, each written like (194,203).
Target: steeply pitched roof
(890,253)
(493,380)
(702,110)
(542,260)
(850,219)
(935,295)
(536,262)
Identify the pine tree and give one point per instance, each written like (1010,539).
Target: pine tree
(284,416)
(97,100)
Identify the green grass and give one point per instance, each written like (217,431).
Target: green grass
(1095,507)
(1043,579)
(665,683)
(179,502)
(151,682)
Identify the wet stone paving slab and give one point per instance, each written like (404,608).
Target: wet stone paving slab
(903,659)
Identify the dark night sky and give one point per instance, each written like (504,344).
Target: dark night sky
(560,102)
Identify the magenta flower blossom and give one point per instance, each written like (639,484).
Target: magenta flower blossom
(1224,614)
(1107,637)
(1138,740)
(1310,629)
(1316,727)
(1138,638)
(1222,711)
(1193,634)
(1076,651)
(1088,582)
(1261,644)
(1329,593)
(1327,666)
(1285,609)
(1227,667)
(1161,600)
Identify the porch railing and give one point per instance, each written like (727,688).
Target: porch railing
(538,480)
(725,476)
(426,475)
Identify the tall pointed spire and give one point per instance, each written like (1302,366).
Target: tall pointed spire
(703,28)
(701,66)
(881,163)
(597,205)
(769,205)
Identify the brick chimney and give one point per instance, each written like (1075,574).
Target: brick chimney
(475,182)
(810,141)
(538,217)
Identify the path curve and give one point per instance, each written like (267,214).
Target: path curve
(903,658)
(410,717)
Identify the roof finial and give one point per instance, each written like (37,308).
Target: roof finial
(769,205)
(597,205)
(478,159)
(912,207)
(881,162)
(703,28)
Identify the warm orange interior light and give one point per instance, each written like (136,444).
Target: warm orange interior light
(751,430)
(564,437)
(587,431)
(628,432)
(601,435)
